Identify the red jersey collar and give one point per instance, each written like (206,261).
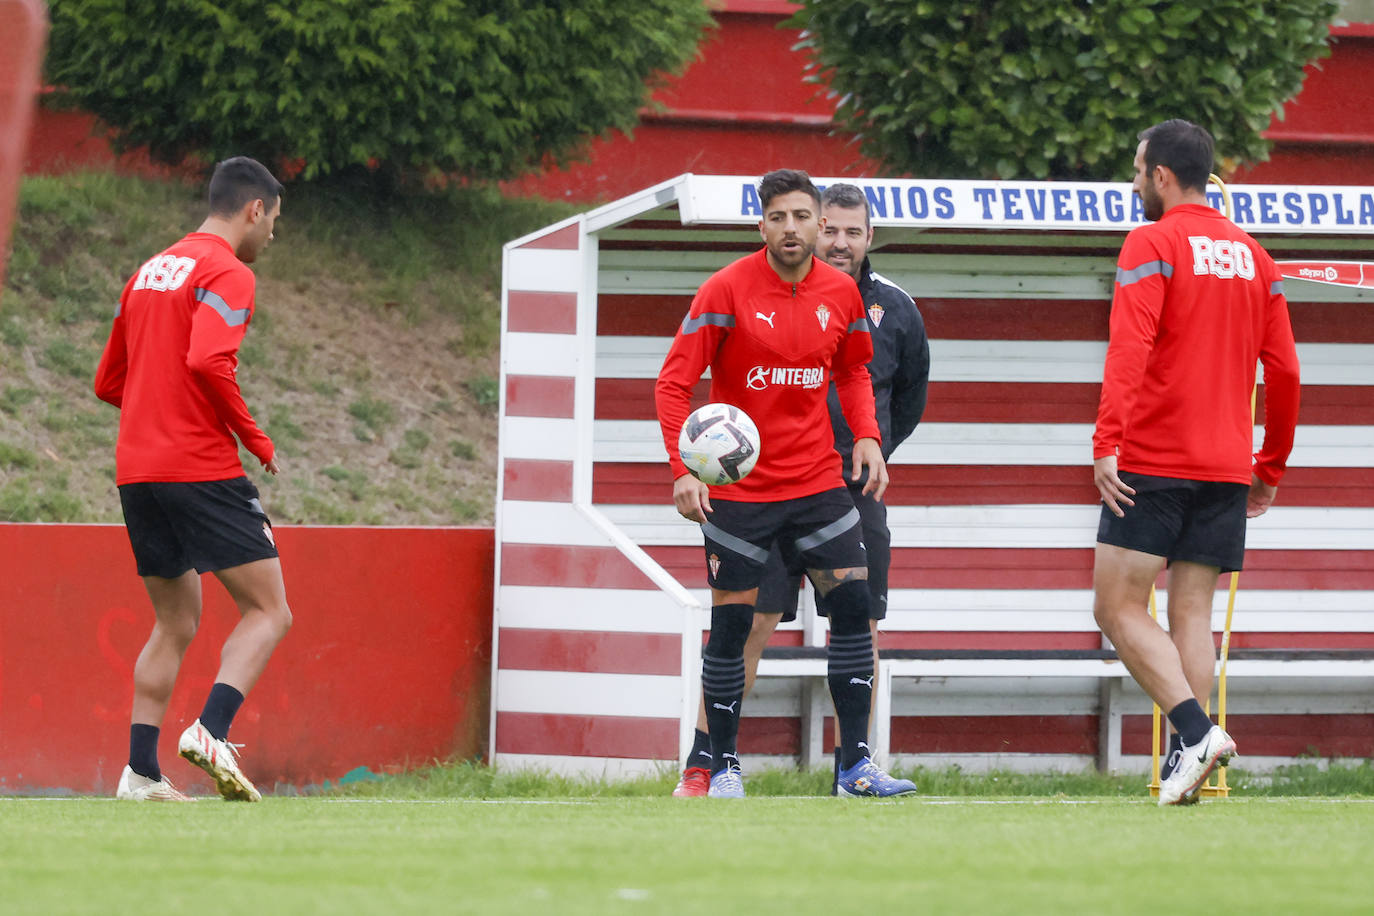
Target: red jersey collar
(762,257)
(1193,209)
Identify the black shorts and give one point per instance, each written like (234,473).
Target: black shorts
(205,525)
(1198,521)
(820,531)
(781,586)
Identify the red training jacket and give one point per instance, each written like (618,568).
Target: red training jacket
(1197,302)
(169,366)
(772,347)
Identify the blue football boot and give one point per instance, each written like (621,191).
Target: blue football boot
(865,780)
(726,784)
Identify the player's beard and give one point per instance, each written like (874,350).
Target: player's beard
(1154,204)
(252,245)
(796,256)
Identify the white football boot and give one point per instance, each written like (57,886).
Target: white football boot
(133,787)
(220,760)
(1197,763)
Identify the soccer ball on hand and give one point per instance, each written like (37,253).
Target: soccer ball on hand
(719,444)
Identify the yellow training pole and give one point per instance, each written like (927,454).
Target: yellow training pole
(1225,194)
(1221,787)
(1154,716)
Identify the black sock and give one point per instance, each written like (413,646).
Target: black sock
(220,708)
(722,708)
(722,716)
(1172,757)
(1190,721)
(701,751)
(849,667)
(850,673)
(143,751)
(722,680)
(835,779)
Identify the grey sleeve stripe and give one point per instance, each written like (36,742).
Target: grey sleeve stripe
(719,319)
(1148,269)
(830,531)
(859,326)
(1276,288)
(737,545)
(232,317)
(119,307)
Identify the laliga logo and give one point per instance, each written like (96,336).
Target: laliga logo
(1329,274)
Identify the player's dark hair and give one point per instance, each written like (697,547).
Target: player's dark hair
(845,195)
(238,180)
(1182,147)
(785,181)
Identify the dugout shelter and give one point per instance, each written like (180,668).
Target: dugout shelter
(600,597)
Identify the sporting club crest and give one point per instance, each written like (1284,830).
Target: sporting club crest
(875,314)
(714,563)
(823,315)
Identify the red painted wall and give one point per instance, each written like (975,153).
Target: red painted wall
(72,141)
(387,666)
(743,107)
(1326,135)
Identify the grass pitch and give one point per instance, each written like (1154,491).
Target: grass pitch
(662,855)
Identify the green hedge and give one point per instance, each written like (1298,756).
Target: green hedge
(1033,89)
(481,88)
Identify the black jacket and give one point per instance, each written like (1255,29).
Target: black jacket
(900,367)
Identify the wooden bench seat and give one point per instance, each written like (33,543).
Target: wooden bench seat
(809,664)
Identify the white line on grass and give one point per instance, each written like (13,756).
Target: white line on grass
(330,801)
(455,801)
(908,800)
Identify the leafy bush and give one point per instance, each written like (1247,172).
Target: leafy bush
(483,88)
(1026,89)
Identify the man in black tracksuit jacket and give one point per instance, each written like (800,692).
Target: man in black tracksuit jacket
(900,370)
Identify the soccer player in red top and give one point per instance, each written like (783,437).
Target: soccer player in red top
(169,366)
(1197,302)
(774,327)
